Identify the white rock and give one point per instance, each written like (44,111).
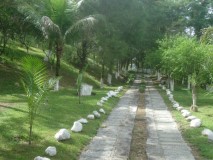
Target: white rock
(100,104)
(51,151)
(104,98)
(179,108)
(77,127)
(91,116)
(83,121)
(102,101)
(176,105)
(184,110)
(163,87)
(120,88)
(206,132)
(96,114)
(168,93)
(62,134)
(195,123)
(102,111)
(112,93)
(171,99)
(186,114)
(210,137)
(160,85)
(41,158)
(190,118)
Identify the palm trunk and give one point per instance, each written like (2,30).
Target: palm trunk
(59,49)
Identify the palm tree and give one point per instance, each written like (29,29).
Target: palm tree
(36,86)
(56,19)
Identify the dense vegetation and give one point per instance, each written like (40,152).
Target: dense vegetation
(87,41)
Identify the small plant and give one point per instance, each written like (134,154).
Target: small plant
(36,85)
(142,88)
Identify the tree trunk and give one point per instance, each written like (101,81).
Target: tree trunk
(194,99)
(159,75)
(172,83)
(189,84)
(59,50)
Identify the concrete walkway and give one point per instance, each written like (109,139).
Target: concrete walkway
(113,141)
(164,139)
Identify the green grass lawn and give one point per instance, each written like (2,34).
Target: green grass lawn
(61,110)
(205,113)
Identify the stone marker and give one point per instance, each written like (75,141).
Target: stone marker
(195,123)
(77,127)
(62,134)
(91,116)
(41,158)
(86,90)
(51,151)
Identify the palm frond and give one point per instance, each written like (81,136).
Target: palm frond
(83,24)
(49,27)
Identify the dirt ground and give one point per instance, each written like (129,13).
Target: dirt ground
(139,137)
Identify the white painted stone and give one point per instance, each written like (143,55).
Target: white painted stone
(56,87)
(104,98)
(206,132)
(190,118)
(184,110)
(168,92)
(100,104)
(96,114)
(176,105)
(102,101)
(77,127)
(186,114)
(83,121)
(86,90)
(41,158)
(179,108)
(163,87)
(120,88)
(62,134)
(210,137)
(51,151)
(112,93)
(91,116)
(102,111)
(195,123)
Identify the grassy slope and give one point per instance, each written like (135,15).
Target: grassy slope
(60,112)
(193,135)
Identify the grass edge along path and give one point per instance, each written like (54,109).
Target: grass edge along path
(202,149)
(62,110)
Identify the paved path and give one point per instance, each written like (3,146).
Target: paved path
(164,139)
(113,141)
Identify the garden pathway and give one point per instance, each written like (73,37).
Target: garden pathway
(164,139)
(112,142)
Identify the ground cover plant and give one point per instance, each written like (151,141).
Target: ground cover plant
(202,147)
